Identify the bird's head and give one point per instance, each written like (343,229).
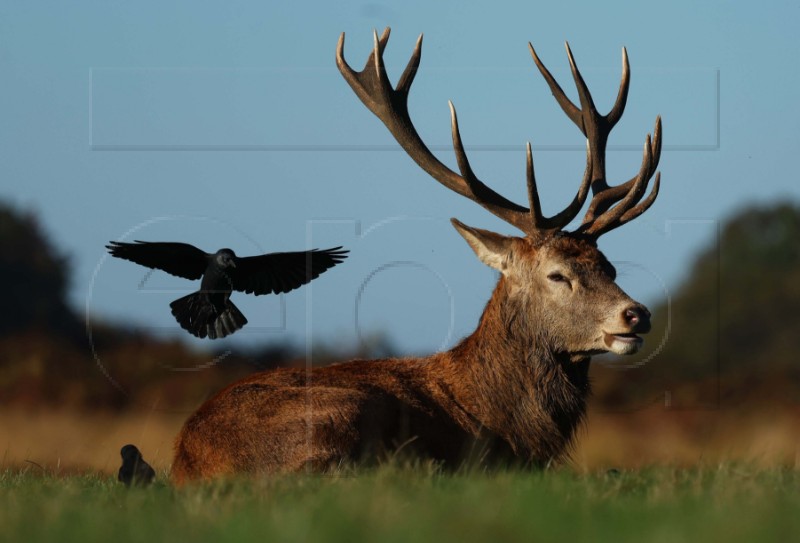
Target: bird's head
(225,258)
(130,452)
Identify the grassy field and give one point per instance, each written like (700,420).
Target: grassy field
(724,503)
(735,476)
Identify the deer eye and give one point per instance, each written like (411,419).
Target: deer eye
(558,278)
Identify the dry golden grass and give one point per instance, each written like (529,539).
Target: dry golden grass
(68,441)
(77,441)
(766,436)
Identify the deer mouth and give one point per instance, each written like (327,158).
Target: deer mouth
(622,343)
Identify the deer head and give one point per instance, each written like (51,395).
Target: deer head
(556,284)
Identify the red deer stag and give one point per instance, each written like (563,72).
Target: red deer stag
(515,390)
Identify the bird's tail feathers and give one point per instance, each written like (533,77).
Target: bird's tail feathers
(198,316)
(227,322)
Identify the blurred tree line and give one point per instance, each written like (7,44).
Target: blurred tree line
(734,324)
(34,278)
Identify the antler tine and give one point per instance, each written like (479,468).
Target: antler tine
(390,105)
(533,194)
(376,56)
(622,96)
(585,97)
(563,218)
(407,78)
(656,142)
(566,104)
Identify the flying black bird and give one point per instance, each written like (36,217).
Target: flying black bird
(209,311)
(134,469)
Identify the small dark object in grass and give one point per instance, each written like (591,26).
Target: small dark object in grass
(613,472)
(134,471)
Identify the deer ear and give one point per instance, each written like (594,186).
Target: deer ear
(491,248)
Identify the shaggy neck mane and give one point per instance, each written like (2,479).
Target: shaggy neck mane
(510,379)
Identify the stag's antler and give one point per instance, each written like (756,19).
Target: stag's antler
(390,105)
(601,217)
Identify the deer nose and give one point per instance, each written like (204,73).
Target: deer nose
(638,318)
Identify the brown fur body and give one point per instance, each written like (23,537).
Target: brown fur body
(506,393)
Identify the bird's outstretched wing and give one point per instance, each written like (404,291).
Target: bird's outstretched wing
(179,259)
(282,272)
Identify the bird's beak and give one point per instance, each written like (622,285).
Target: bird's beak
(233,264)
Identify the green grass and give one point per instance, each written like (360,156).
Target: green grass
(392,504)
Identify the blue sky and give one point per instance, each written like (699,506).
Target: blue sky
(227,124)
